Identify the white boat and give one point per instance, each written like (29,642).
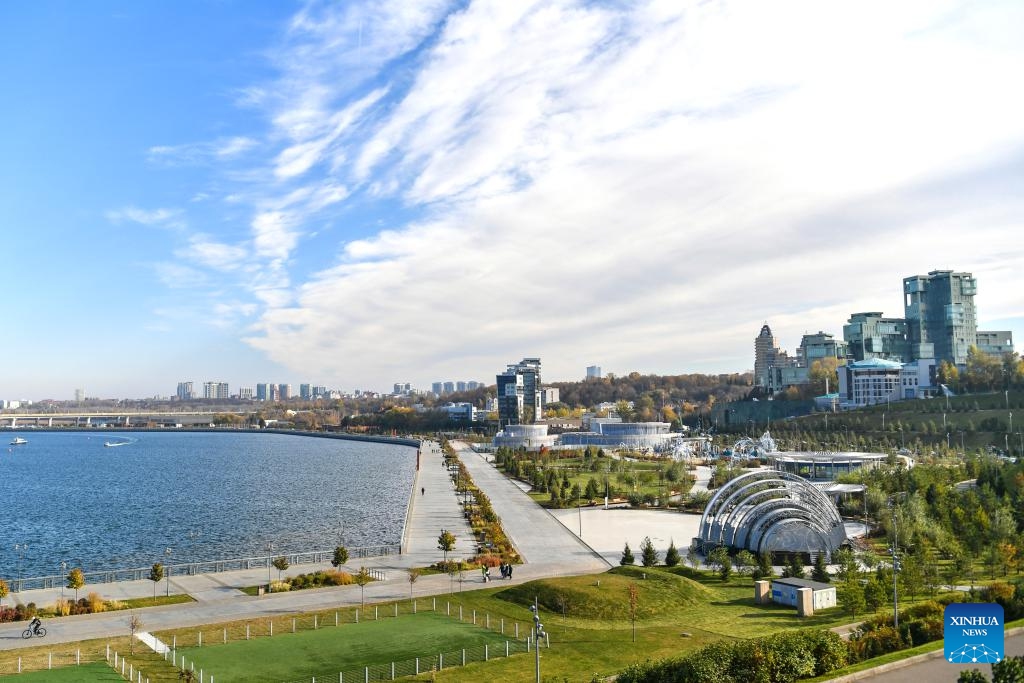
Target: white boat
(18,441)
(111,444)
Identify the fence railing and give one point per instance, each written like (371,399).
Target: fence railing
(420,665)
(208,567)
(42,661)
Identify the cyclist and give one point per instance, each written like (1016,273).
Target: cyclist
(35,624)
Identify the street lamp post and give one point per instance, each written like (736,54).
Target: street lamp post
(20,548)
(167,570)
(63,568)
(538,633)
(192,536)
(894,551)
(270,552)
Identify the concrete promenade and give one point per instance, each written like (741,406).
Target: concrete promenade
(549,548)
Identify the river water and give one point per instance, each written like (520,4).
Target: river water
(205,495)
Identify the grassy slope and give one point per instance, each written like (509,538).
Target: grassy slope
(330,649)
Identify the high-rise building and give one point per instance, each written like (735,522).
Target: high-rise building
(473,385)
(186,391)
(306,392)
(80,394)
(216,390)
(767,355)
(941,319)
(437,388)
(818,347)
(519,393)
(320,392)
(263,391)
(510,397)
(871,335)
(593,372)
(995,343)
(460,386)
(284,392)
(245,393)
(448,388)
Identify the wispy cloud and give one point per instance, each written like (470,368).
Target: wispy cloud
(201,152)
(150,217)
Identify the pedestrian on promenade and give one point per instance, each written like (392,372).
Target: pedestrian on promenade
(510,570)
(423,490)
(483,572)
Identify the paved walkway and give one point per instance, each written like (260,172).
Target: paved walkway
(547,547)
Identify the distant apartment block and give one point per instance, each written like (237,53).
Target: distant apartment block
(995,343)
(217,390)
(245,393)
(448,388)
(593,372)
(519,393)
(80,395)
(306,392)
(816,347)
(549,395)
(402,388)
(284,392)
(437,388)
(872,335)
(186,392)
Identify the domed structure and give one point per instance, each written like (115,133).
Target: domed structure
(771,511)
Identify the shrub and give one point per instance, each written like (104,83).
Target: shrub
(280,586)
(62,607)
(95,603)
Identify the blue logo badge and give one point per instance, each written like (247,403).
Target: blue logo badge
(973,633)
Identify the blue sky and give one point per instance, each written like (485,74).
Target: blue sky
(360,193)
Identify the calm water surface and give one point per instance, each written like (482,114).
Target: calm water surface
(204,495)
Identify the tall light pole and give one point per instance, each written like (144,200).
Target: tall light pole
(167,571)
(894,550)
(63,568)
(270,551)
(20,548)
(538,633)
(192,536)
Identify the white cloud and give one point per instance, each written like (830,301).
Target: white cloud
(151,217)
(643,185)
(221,149)
(211,254)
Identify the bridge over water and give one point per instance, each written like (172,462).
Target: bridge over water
(119,419)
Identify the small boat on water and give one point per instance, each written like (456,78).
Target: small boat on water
(112,444)
(18,441)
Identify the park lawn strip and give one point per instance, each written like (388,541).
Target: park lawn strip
(99,672)
(135,603)
(36,657)
(332,649)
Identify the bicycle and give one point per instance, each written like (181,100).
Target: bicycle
(37,631)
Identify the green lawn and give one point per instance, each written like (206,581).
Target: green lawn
(86,673)
(332,649)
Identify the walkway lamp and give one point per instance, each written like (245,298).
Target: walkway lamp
(63,569)
(167,554)
(270,552)
(538,633)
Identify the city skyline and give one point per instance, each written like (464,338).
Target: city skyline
(365,193)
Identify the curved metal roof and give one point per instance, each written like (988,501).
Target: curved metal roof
(769,510)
